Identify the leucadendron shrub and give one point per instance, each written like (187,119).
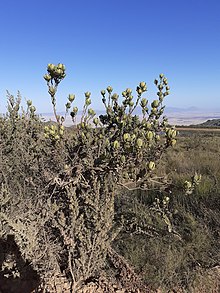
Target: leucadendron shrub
(59,184)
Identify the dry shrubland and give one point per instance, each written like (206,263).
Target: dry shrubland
(105,200)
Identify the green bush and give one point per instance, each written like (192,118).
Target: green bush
(58,186)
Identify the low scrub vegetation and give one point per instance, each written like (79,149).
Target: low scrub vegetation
(187,259)
(110,199)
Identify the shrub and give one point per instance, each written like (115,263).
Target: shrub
(58,187)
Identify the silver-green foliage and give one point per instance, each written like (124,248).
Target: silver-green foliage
(58,185)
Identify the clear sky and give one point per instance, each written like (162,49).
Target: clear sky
(111,42)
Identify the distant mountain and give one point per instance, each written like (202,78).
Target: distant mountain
(181,110)
(208,123)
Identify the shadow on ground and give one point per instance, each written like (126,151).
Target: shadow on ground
(16,274)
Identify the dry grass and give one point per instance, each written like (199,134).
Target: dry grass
(187,260)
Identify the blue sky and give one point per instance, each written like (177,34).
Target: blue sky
(114,42)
